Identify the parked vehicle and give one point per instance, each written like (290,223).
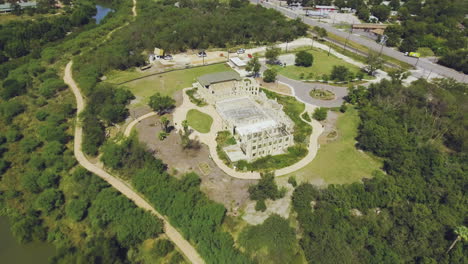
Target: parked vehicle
(168,57)
(202,54)
(240,51)
(413,54)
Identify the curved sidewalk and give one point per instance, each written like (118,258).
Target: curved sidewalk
(210,139)
(185,247)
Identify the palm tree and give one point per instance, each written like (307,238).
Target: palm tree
(462,234)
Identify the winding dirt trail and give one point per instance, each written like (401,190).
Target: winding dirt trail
(184,246)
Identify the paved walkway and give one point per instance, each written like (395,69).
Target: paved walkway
(209,139)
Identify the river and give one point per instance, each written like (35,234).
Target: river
(101,13)
(15,253)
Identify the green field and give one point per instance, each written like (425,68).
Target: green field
(199,121)
(339,161)
(166,83)
(323,64)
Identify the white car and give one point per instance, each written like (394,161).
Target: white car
(240,51)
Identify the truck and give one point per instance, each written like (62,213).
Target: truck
(413,54)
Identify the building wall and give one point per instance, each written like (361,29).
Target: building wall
(272,141)
(229,89)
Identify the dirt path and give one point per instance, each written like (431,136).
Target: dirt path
(184,246)
(128,129)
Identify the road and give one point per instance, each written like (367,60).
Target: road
(423,63)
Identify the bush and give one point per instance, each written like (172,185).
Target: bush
(292,181)
(76,209)
(269,75)
(260,206)
(12,88)
(162,247)
(304,59)
(161,104)
(49,200)
(320,114)
(339,73)
(50,86)
(343,108)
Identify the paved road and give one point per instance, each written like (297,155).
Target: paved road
(423,63)
(301,91)
(184,246)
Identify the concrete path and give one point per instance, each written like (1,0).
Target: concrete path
(184,246)
(123,187)
(209,139)
(128,129)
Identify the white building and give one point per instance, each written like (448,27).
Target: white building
(259,124)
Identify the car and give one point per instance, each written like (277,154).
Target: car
(202,54)
(275,62)
(240,51)
(168,57)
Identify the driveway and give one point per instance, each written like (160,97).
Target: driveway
(301,91)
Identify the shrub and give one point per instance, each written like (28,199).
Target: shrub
(260,206)
(50,86)
(49,200)
(162,247)
(76,209)
(292,181)
(304,59)
(12,88)
(320,114)
(339,73)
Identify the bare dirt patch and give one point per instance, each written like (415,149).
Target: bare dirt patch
(329,133)
(218,186)
(275,87)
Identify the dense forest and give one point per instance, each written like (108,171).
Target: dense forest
(409,213)
(47,196)
(439,27)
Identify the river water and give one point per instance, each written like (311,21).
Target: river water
(102,11)
(13,252)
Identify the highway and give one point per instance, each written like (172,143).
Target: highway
(422,64)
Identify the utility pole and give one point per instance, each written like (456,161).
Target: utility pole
(383,40)
(203,56)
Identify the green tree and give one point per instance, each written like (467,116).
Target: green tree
(162,247)
(49,200)
(164,124)
(339,73)
(374,62)
(76,209)
(253,66)
(382,12)
(269,75)
(11,88)
(161,104)
(320,113)
(304,59)
(462,235)
(272,54)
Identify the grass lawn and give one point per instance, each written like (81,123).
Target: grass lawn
(321,94)
(166,83)
(323,64)
(199,121)
(339,162)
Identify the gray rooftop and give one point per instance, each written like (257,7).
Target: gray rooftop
(218,77)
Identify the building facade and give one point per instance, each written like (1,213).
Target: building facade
(258,124)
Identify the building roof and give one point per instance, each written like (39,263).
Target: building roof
(325,7)
(9,7)
(238,62)
(218,77)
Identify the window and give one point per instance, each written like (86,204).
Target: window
(254,147)
(254,155)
